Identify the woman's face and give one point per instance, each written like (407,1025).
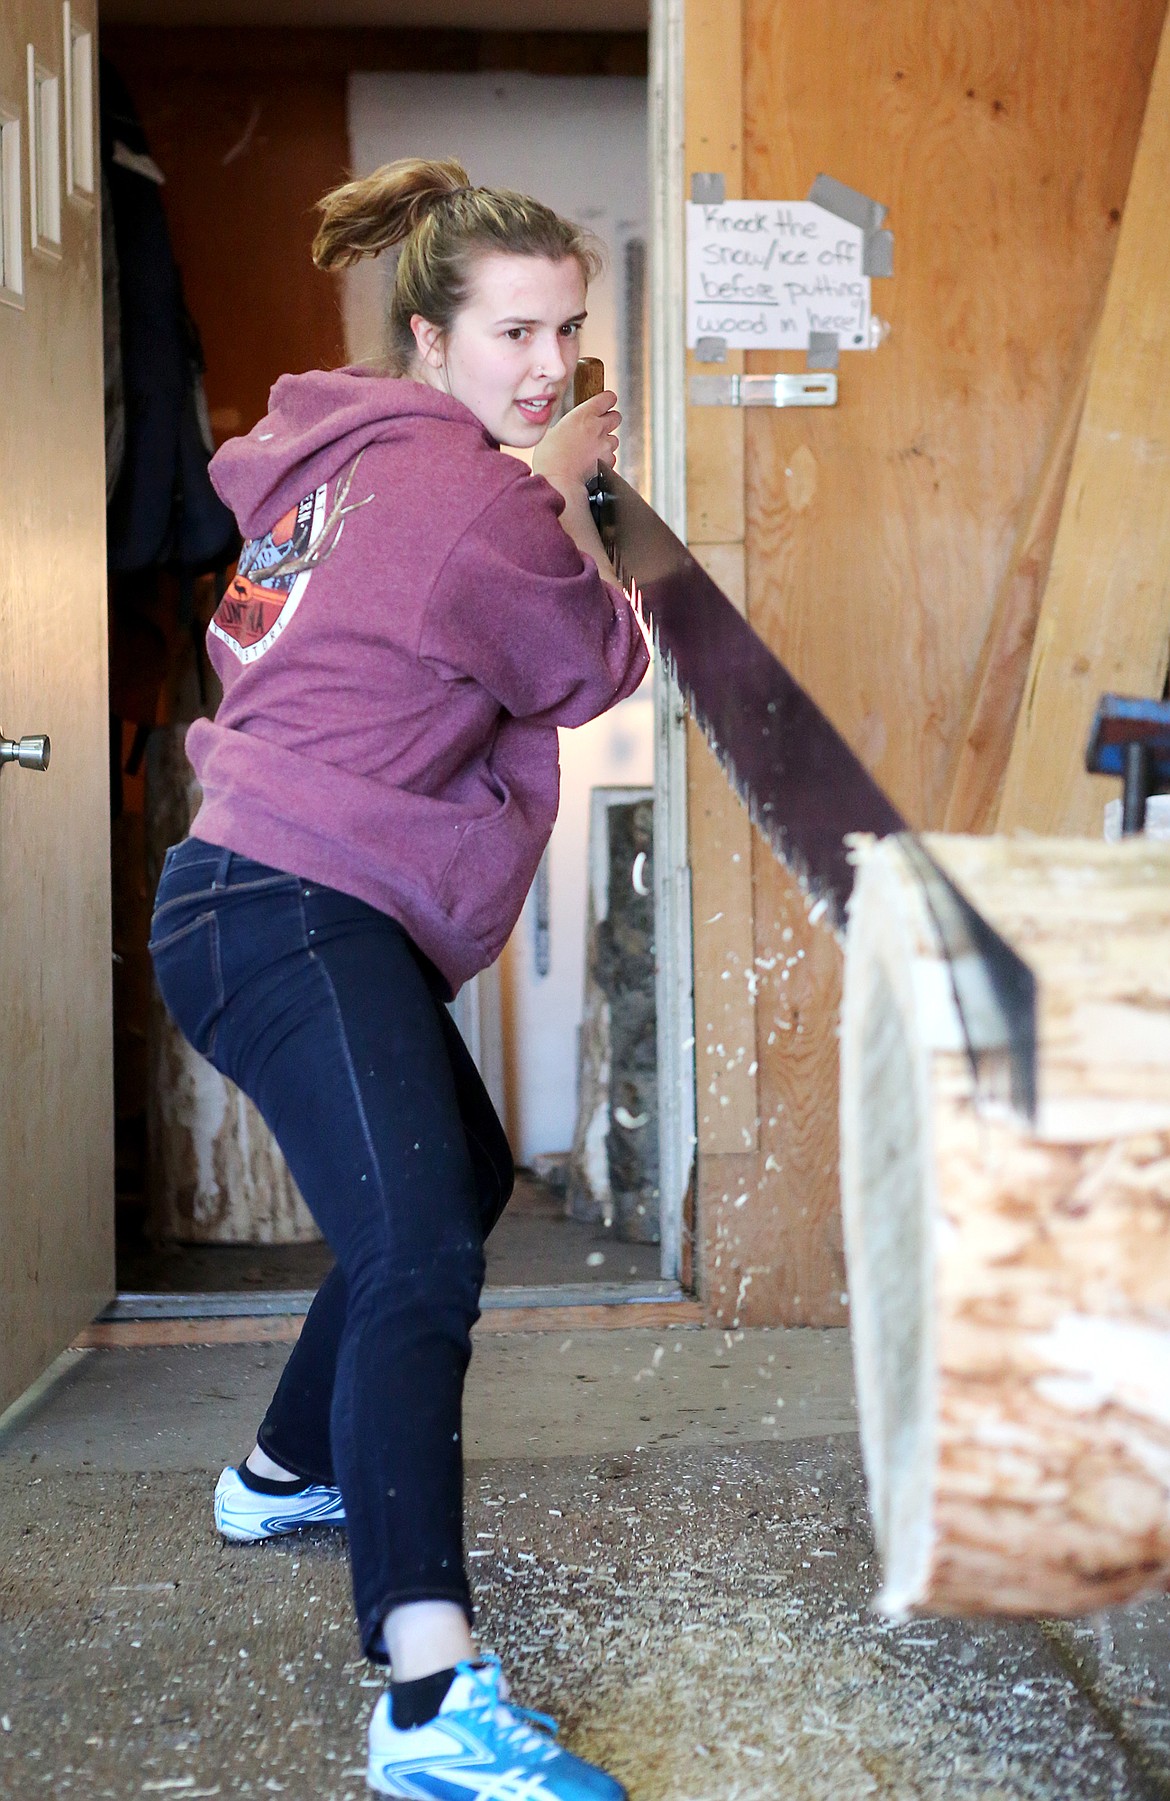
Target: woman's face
(511,353)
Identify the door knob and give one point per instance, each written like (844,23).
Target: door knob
(28,753)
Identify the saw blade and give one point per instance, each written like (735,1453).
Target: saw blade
(803,786)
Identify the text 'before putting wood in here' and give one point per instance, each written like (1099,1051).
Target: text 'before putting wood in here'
(766,275)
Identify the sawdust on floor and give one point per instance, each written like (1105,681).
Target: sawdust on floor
(698,1618)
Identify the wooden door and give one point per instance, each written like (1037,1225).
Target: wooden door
(56,1101)
(870,541)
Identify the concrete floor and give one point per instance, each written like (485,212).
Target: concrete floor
(670,1550)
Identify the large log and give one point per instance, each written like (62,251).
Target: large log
(613,1164)
(1010,1284)
(216,1174)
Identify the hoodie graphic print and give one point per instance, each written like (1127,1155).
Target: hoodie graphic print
(273,571)
(408,628)
(264,593)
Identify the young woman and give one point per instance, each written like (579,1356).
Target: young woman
(414,616)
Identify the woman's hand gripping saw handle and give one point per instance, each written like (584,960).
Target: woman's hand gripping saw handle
(580,444)
(588,383)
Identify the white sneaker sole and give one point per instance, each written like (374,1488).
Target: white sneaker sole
(246,1518)
(375,1781)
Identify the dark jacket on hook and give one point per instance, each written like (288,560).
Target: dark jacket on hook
(163,509)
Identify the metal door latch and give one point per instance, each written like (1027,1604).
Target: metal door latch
(818,388)
(26,753)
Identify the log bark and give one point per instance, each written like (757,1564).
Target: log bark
(1010,1284)
(613,1165)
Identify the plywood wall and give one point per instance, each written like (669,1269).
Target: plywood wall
(1000,134)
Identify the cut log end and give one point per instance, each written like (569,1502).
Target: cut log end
(890,1285)
(1010,1288)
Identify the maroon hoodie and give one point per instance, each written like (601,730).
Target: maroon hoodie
(408,627)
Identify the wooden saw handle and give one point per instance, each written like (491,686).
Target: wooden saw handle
(588,379)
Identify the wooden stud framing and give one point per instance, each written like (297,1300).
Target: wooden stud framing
(986,744)
(727,1095)
(1105,621)
(726,1061)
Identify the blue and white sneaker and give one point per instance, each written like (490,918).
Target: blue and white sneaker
(245,1515)
(480,1748)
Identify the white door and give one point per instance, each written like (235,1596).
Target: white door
(56,1083)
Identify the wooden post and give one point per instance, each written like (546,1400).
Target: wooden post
(985,746)
(1010,1285)
(1105,622)
(727,1090)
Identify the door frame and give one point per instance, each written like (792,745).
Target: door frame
(674,979)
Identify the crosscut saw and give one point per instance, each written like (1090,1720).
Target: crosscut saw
(804,788)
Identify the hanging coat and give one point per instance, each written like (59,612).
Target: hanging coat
(163,510)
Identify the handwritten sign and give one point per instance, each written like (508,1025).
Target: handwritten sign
(765,274)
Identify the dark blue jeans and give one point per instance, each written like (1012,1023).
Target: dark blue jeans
(327,1015)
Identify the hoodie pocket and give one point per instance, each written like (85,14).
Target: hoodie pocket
(484,885)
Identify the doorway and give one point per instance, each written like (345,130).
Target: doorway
(274,132)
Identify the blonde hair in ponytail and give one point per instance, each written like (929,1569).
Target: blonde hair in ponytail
(443,224)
